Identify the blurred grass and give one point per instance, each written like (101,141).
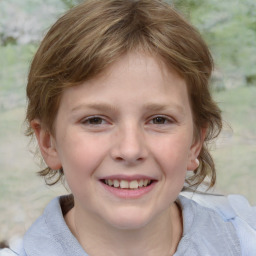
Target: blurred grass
(236,148)
(23,195)
(14,64)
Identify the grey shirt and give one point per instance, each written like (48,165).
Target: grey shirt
(205,232)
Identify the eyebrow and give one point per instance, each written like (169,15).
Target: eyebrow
(152,107)
(96,106)
(161,107)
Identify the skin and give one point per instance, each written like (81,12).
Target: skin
(134,119)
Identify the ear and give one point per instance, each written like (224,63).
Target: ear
(195,149)
(47,145)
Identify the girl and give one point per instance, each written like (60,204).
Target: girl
(119,102)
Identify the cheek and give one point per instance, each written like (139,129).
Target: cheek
(80,157)
(173,151)
(172,158)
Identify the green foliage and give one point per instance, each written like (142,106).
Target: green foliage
(229,27)
(24,22)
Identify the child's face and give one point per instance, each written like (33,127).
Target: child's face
(131,125)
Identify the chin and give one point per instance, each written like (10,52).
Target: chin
(129,219)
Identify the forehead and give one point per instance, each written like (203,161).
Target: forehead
(134,80)
(142,68)
(143,65)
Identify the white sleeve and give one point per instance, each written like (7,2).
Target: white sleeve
(7,252)
(245,223)
(16,248)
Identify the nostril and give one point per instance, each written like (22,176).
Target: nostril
(135,160)
(119,158)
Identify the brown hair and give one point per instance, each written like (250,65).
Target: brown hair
(91,36)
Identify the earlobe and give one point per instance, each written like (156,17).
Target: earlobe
(195,149)
(193,164)
(47,145)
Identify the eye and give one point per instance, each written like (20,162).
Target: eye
(94,120)
(158,120)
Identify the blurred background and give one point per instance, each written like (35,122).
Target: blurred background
(229,27)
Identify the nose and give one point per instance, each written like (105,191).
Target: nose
(129,145)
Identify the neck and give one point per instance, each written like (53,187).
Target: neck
(159,237)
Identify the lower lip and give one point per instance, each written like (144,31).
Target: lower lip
(129,193)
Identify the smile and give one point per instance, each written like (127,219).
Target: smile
(124,184)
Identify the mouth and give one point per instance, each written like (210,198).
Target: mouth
(125,184)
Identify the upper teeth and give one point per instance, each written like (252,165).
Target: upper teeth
(133,184)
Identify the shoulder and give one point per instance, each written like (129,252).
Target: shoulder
(228,207)
(205,232)
(40,239)
(234,210)
(244,222)
(50,235)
